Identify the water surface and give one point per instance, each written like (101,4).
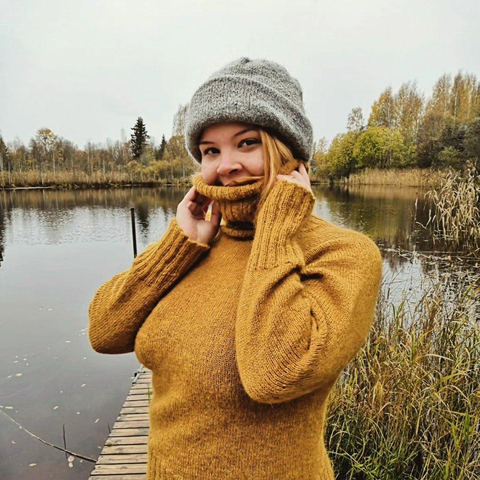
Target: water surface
(58,247)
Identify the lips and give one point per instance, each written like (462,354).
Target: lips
(242,181)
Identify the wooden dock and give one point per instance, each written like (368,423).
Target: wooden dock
(124,456)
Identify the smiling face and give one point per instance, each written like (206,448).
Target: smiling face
(231,151)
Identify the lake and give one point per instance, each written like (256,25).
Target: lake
(58,247)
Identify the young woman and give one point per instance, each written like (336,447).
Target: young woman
(248,313)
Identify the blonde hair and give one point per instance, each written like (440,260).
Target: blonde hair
(275,155)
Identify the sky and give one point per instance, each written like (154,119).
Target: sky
(87,69)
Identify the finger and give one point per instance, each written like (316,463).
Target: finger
(216,214)
(191,194)
(304,171)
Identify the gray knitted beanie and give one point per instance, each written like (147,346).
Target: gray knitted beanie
(259,91)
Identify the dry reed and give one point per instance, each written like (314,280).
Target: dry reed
(408,407)
(456,209)
(412,177)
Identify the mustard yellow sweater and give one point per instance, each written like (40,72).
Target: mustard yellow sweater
(245,336)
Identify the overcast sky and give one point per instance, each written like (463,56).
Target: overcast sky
(87,69)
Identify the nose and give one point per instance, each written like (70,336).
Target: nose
(228,165)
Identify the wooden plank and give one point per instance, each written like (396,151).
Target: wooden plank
(125,453)
(139,397)
(132,416)
(139,403)
(113,441)
(122,459)
(128,432)
(119,469)
(140,392)
(133,410)
(129,449)
(132,424)
(118,477)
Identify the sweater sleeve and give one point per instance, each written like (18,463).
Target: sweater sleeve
(299,323)
(121,305)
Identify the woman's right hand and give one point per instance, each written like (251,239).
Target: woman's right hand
(191,217)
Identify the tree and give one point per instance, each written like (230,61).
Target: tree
(139,138)
(177,156)
(472,141)
(340,159)
(383,112)
(161,149)
(180,120)
(355,122)
(44,147)
(4,156)
(380,147)
(319,160)
(408,109)
(463,97)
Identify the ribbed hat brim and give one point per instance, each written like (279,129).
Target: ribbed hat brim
(243,99)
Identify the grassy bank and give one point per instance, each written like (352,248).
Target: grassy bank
(34,178)
(408,407)
(413,177)
(78,179)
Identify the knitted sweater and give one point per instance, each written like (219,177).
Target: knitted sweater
(245,336)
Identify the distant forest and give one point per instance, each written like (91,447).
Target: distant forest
(403,130)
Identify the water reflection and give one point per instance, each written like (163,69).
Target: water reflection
(386,214)
(57,247)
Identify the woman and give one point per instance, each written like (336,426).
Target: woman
(247,317)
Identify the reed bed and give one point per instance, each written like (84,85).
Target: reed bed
(412,177)
(456,209)
(408,406)
(79,179)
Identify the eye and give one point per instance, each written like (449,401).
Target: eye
(207,150)
(254,140)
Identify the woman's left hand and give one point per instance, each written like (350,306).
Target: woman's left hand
(301,177)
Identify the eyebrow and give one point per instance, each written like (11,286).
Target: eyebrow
(236,135)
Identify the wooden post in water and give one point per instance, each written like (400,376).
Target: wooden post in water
(134,235)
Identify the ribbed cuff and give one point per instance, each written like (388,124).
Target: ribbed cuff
(287,206)
(172,255)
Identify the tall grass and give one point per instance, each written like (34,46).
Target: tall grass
(408,407)
(79,179)
(411,177)
(456,209)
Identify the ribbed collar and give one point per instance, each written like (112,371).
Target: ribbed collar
(237,205)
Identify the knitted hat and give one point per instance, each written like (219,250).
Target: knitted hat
(259,91)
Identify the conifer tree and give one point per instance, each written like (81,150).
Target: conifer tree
(161,148)
(139,138)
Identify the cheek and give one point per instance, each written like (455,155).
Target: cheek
(207,172)
(257,166)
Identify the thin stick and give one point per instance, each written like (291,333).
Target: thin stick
(48,443)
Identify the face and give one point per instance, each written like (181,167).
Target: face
(230,151)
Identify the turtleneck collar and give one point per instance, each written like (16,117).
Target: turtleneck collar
(237,204)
